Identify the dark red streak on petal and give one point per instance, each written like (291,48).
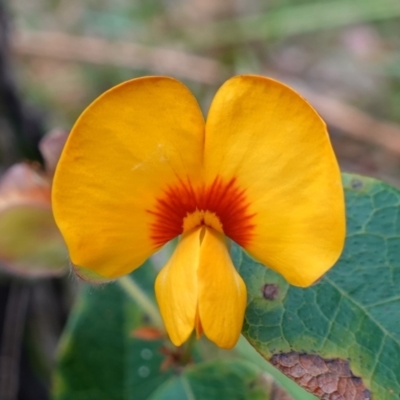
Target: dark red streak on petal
(226,199)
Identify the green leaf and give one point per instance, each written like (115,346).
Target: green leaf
(348,322)
(99,358)
(218,380)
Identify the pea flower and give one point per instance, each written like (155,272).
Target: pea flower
(30,243)
(141,167)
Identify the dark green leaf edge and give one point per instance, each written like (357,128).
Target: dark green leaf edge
(354,312)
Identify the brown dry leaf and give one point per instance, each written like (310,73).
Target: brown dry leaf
(328,379)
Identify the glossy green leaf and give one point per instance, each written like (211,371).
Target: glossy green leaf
(219,380)
(344,330)
(99,358)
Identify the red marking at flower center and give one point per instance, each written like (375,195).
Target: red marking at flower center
(225,199)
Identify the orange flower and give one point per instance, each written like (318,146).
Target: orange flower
(142,167)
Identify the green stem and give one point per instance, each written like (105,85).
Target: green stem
(137,294)
(187,354)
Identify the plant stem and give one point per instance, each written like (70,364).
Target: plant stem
(141,298)
(187,353)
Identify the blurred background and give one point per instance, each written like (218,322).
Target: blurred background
(57,56)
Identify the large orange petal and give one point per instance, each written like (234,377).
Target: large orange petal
(177,288)
(125,149)
(272,142)
(222,292)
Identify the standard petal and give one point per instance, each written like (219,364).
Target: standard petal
(222,292)
(177,288)
(128,146)
(272,142)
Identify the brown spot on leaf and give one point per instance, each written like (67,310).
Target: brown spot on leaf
(357,184)
(270,291)
(328,379)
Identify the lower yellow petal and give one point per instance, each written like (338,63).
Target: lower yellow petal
(222,292)
(177,288)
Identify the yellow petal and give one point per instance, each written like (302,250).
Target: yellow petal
(222,292)
(177,288)
(272,142)
(126,148)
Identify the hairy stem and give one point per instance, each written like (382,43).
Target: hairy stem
(141,298)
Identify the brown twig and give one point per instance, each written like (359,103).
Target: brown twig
(350,120)
(347,118)
(355,122)
(65,47)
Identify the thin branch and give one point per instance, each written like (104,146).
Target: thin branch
(140,297)
(349,119)
(92,50)
(357,123)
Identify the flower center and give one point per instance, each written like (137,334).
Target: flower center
(201,217)
(223,206)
